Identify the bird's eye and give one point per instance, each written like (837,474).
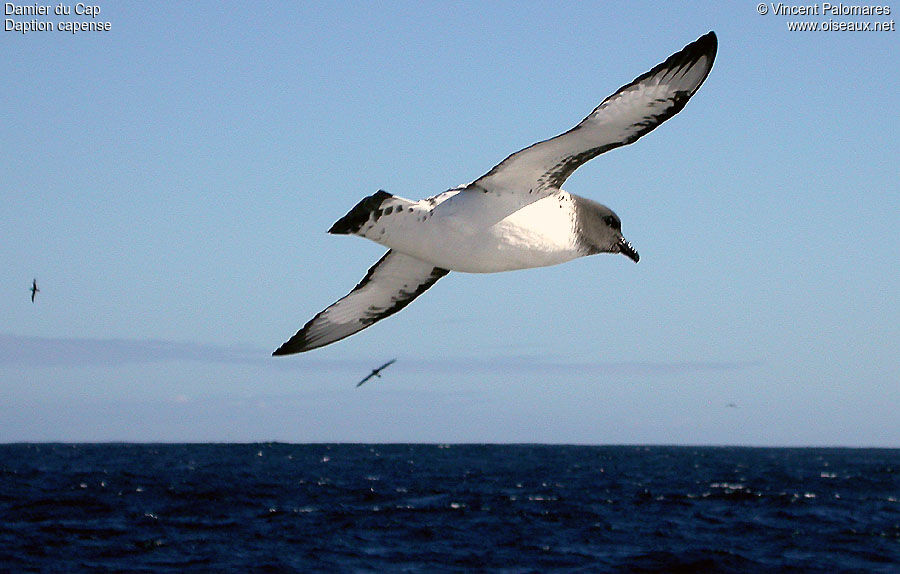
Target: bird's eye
(613,222)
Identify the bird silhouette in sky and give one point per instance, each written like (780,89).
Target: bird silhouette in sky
(34,289)
(376,372)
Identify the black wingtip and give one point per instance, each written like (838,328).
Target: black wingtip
(296,344)
(708,42)
(290,347)
(705,46)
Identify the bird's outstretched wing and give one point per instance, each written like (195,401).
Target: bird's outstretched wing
(388,364)
(376,372)
(366,378)
(632,111)
(390,285)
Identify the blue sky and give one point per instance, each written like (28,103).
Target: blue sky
(169,184)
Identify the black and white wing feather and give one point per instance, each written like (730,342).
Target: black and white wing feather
(632,111)
(390,285)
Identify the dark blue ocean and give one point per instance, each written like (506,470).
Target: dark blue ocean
(446,508)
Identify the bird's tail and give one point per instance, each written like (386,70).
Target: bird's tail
(370,209)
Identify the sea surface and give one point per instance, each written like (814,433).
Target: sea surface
(274,507)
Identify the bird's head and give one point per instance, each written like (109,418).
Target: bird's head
(600,230)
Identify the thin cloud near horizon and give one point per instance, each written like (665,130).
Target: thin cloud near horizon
(34,351)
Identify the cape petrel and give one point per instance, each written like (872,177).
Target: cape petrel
(515,216)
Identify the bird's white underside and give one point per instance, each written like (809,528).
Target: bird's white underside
(472,237)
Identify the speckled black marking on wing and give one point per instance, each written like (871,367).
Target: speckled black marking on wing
(632,111)
(389,286)
(359,215)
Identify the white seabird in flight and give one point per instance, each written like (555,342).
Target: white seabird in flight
(515,216)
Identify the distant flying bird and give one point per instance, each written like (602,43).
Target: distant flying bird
(34,289)
(376,372)
(731,405)
(516,216)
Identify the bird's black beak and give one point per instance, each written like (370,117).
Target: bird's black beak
(626,249)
